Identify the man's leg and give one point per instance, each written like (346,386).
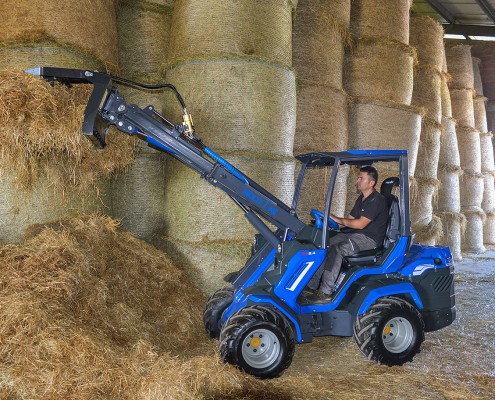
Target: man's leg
(314,282)
(354,243)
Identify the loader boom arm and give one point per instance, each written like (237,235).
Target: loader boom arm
(107,106)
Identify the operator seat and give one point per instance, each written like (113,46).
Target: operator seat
(367,257)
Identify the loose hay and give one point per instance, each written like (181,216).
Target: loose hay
(388,19)
(426,35)
(41,135)
(89,28)
(319,38)
(429,233)
(254,28)
(381,69)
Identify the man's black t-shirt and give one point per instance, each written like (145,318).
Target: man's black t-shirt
(375,208)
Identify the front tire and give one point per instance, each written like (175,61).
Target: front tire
(259,340)
(215,306)
(390,332)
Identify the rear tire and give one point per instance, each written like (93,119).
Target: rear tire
(215,306)
(258,340)
(390,332)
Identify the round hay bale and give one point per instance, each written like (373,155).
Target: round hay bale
(370,127)
(429,149)
(472,189)
(453,224)
(445,95)
(463,106)
(322,120)
(24,56)
(144,35)
(20,209)
(469,143)
(381,69)
(427,92)
(138,196)
(208,262)
(478,84)
(449,194)
(426,35)
(488,203)
(90,27)
(195,210)
(237,105)
(449,148)
(489,229)
(486,144)
(490,115)
(256,28)
(422,202)
(319,39)
(480,120)
(430,233)
(460,65)
(473,236)
(388,19)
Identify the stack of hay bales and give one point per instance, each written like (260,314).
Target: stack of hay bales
(460,66)
(426,35)
(144,37)
(487,163)
(448,205)
(320,36)
(379,77)
(52,33)
(231,62)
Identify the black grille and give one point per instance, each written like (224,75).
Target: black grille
(442,283)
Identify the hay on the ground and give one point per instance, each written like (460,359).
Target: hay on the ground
(254,28)
(41,135)
(388,19)
(318,42)
(381,69)
(90,27)
(426,35)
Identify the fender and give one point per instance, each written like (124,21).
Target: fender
(400,288)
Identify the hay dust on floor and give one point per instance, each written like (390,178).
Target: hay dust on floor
(87,311)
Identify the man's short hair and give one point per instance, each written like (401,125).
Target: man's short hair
(371,171)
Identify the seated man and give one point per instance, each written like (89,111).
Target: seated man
(367,228)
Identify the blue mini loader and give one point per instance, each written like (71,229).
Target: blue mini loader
(387,298)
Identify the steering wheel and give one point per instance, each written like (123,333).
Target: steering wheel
(318,216)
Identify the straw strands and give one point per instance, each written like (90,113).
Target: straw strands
(144,35)
(260,29)
(88,28)
(387,19)
(320,34)
(381,69)
(237,104)
(41,135)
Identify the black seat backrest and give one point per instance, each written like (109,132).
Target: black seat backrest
(393,229)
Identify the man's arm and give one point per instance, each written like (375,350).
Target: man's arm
(355,223)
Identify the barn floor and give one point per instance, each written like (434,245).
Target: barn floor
(457,362)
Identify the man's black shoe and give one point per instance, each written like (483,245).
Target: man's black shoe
(308,292)
(319,297)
